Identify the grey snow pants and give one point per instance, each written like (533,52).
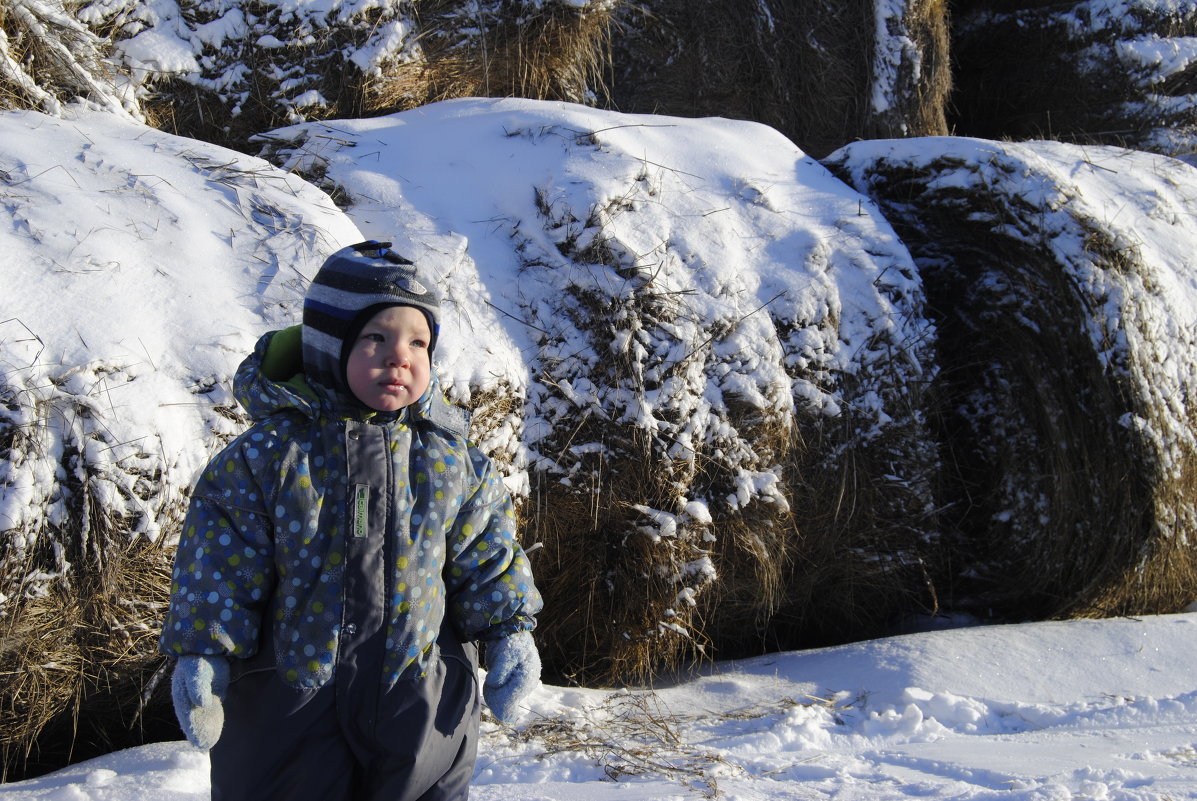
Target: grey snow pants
(416,741)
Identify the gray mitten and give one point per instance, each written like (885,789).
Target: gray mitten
(198,688)
(512,672)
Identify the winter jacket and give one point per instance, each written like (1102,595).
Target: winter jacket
(333,523)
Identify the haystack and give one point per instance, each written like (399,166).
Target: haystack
(222,71)
(1061,283)
(1085,72)
(49,58)
(139,270)
(823,73)
(705,374)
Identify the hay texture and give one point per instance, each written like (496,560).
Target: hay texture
(117,342)
(1067,311)
(1090,72)
(823,73)
(688,369)
(48,58)
(221,70)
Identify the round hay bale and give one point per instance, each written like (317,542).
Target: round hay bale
(685,307)
(222,72)
(863,473)
(1086,72)
(823,73)
(1058,277)
(80,674)
(635,461)
(533,49)
(114,372)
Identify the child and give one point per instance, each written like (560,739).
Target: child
(340,558)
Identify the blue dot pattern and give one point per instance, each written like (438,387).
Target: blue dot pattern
(264,542)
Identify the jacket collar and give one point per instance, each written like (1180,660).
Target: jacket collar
(271,380)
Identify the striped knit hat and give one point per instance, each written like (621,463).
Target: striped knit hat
(352,285)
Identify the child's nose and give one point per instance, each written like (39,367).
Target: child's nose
(398,356)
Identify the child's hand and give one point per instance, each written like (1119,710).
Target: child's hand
(198,688)
(512,672)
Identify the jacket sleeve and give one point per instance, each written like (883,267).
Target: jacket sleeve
(224,566)
(491,593)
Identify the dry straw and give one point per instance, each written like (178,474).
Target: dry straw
(48,58)
(549,51)
(79,623)
(1070,474)
(809,68)
(1069,71)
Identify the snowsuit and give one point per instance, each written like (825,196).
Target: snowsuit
(346,560)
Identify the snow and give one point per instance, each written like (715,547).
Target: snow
(140,267)
(1031,712)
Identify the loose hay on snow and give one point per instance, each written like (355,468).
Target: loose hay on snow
(1069,364)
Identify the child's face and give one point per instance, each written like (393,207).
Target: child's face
(389,366)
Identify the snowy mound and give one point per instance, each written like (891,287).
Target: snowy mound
(652,316)
(139,269)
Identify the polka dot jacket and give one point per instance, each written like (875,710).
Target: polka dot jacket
(336,526)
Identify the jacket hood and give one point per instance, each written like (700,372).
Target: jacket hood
(271,380)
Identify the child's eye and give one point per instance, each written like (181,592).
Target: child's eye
(372,337)
(419,343)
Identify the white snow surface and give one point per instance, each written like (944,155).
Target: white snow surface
(1103,710)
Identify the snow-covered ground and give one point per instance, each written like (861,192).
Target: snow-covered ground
(1102,710)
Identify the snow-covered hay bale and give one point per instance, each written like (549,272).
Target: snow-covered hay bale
(138,270)
(1062,284)
(222,71)
(823,73)
(1120,73)
(669,329)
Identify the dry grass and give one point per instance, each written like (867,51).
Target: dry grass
(48,58)
(78,658)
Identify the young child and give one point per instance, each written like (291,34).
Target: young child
(340,559)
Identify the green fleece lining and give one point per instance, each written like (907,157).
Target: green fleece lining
(283,361)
